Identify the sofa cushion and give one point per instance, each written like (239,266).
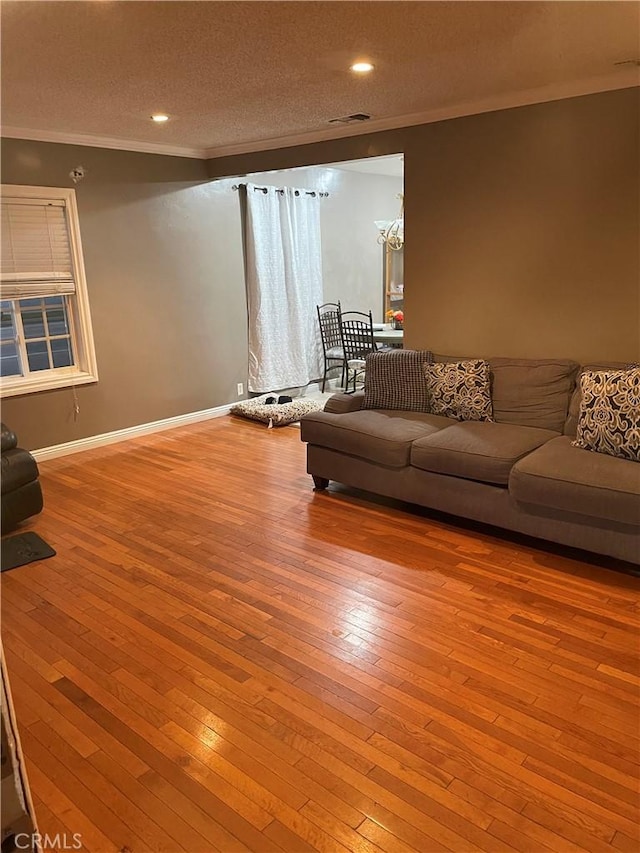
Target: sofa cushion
(609,418)
(459,390)
(560,476)
(344,402)
(477,451)
(384,437)
(571,424)
(395,380)
(532,392)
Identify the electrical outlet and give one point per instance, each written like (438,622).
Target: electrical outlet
(240,389)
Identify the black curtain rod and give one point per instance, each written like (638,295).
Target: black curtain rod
(297,192)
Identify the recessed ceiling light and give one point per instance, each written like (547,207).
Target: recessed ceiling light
(362,67)
(159,117)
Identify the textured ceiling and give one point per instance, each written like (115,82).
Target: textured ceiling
(247,75)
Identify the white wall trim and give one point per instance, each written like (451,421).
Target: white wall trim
(93,441)
(625,78)
(103,142)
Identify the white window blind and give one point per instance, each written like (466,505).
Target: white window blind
(36,250)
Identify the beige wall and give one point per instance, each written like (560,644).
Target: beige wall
(165,286)
(163,256)
(522,232)
(522,239)
(522,226)
(352,258)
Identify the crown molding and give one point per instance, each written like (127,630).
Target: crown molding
(102,142)
(624,79)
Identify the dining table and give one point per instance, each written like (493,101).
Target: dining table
(390,337)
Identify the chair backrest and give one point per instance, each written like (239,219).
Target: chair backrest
(329,319)
(357,335)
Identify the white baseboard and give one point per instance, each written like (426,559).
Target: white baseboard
(56,450)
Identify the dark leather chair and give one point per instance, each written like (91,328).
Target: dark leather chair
(21,491)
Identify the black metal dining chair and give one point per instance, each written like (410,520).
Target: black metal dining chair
(329,320)
(356,329)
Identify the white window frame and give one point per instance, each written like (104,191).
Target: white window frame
(86,368)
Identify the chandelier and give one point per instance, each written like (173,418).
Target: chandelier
(392,233)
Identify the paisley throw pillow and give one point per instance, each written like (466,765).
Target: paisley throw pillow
(609,417)
(460,390)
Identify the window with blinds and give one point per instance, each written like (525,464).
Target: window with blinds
(45,330)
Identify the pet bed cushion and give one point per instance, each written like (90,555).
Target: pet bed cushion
(275,414)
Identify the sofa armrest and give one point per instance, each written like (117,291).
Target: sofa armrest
(340,404)
(8,437)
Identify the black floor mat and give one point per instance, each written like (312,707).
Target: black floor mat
(22,549)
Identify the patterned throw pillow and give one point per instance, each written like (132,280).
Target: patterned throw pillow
(394,379)
(460,390)
(609,418)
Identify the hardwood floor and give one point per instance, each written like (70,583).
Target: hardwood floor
(218,659)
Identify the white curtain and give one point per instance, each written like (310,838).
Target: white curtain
(284,285)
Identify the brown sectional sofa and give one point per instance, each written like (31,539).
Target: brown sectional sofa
(519,472)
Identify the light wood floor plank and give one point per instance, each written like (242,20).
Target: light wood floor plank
(220,660)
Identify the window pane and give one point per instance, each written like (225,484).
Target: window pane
(7,327)
(33,323)
(38,355)
(61,352)
(9,360)
(57,321)
(42,314)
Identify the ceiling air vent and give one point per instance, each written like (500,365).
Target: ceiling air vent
(350,119)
